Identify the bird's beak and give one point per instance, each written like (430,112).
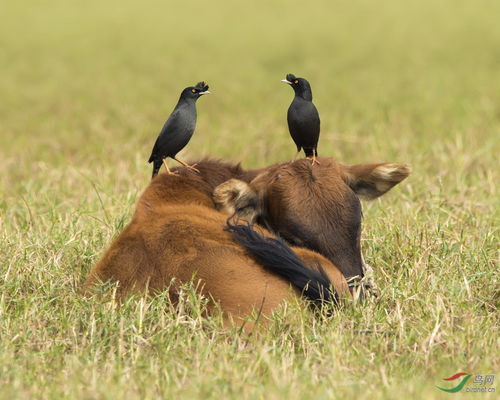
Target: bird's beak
(285,81)
(205,92)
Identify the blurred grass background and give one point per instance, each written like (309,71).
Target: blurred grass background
(84,90)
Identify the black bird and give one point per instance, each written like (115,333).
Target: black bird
(178,129)
(303,118)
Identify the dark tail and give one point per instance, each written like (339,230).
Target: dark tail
(277,257)
(156,167)
(310,152)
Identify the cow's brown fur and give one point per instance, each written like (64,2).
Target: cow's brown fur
(177,233)
(316,207)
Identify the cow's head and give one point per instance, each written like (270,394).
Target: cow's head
(316,207)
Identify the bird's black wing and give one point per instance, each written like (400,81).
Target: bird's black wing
(304,124)
(315,126)
(172,137)
(156,152)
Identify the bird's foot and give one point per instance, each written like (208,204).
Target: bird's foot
(314,160)
(192,168)
(169,172)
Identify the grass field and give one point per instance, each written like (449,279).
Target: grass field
(84,90)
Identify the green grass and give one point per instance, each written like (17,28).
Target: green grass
(85,88)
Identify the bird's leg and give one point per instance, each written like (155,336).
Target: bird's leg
(191,167)
(314,160)
(168,169)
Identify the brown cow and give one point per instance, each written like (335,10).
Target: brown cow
(176,233)
(314,206)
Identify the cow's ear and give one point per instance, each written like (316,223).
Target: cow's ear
(236,197)
(370,181)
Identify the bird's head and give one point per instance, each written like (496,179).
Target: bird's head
(195,92)
(300,86)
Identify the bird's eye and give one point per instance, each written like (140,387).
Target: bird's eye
(296,82)
(193,90)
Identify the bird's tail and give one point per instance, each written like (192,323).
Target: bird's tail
(310,152)
(156,167)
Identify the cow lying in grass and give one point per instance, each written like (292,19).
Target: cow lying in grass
(176,235)
(176,232)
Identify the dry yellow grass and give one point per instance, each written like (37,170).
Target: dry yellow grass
(85,88)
